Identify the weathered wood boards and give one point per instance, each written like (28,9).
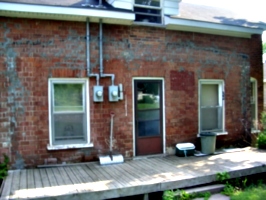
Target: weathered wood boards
(93,181)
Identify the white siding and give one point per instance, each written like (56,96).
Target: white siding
(171,7)
(125,4)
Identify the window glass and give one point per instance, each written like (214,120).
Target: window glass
(148,108)
(68,112)
(253,102)
(211,106)
(68,97)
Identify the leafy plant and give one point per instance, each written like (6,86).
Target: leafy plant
(261,140)
(183,195)
(4,167)
(169,195)
(222,176)
(228,189)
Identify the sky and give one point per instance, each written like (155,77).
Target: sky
(255,9)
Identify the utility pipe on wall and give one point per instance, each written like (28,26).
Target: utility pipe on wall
(89,74)
(101,54)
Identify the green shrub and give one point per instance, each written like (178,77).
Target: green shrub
(4,167)
(222,176)
(183,195)
(263,120)
(261,140)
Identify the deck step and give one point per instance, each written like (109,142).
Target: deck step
(213,189)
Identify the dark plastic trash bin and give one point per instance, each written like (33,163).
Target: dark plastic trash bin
(208,142)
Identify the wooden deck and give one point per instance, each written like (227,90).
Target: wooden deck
(92,181)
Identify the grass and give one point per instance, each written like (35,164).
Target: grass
(250,193)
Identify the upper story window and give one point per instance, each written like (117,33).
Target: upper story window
(68,119)
(149,11)
(211,106)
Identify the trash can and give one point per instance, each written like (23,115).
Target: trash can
(208,142)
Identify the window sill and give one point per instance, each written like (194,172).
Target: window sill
(70,146)
(217,133)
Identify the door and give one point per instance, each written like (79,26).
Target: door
(148,117)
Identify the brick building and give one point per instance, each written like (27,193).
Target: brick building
(165,73)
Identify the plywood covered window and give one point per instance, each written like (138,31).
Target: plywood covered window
(211,105)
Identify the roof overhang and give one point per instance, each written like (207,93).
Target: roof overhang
(65,13)
(210,28)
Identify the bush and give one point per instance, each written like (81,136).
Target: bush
(263,120)
(261,140)
(4,167)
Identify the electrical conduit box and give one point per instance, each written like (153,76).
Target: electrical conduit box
(113,93)
(98,93)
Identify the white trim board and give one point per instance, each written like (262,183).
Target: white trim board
(210,28)
(62,13)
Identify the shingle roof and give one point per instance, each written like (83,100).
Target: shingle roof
(187,11)
(217,15)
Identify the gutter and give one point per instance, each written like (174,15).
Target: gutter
(18,9)
(211,28)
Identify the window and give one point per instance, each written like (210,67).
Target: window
(254,104)
(68,118)
(211,106)
(148,11)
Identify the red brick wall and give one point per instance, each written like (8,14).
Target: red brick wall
(31,51)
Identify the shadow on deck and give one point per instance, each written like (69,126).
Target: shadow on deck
(142,176)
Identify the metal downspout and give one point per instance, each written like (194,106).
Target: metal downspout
(89,74)
(101,54)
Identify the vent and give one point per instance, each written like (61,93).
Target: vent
(148,11)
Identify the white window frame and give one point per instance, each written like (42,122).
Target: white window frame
(85,82)
(151,8)
(254,100)
(221,100)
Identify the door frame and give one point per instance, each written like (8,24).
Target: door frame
(133,110)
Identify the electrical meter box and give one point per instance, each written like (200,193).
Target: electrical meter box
(113,93)
(98,93)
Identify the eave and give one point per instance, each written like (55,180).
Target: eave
(65,13)
(211,28)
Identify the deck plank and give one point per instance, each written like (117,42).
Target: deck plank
(110,184)
(139,167)
(111,172)
(77,182)
(51,177)
(37,178)
(15,184)
(65,177)
(44,177)
(7,187)
(93,181)
(57,176)
(132,179)
(30,179)
(23,184)
(132,170)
